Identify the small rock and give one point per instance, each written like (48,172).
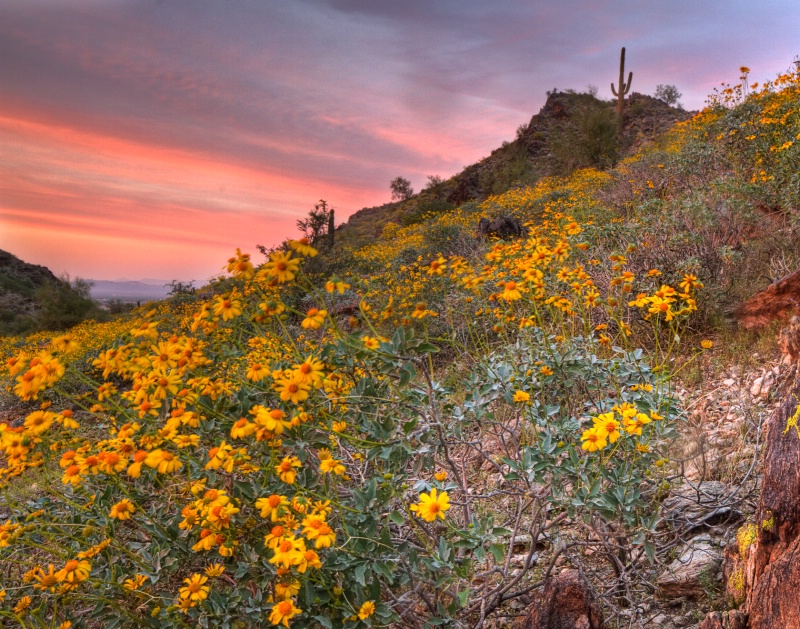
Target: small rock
(729,382)
(659,620)
(755,390)
(697,505)
(564,603)
(766,385)
(688,575)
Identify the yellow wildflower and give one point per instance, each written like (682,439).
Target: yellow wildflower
(283,612)
(522,396)
(366,610)
(195,589)
(432,505)
(593,439)
(122,510)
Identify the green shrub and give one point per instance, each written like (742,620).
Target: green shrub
(589,141)
(61,306)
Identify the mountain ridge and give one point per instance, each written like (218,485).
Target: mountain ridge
(542,148)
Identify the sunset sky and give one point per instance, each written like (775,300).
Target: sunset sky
(150,138)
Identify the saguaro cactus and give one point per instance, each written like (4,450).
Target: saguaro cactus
(331,229)
(624,88)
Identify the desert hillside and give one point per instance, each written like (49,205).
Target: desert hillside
(32,298)
(520,398)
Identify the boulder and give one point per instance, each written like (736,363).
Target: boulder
(566,602)
(503,227)
(689,574)
(779,300)
(704,504)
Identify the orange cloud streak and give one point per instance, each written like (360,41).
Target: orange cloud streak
(103,207)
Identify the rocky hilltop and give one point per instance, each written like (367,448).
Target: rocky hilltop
(572,130)
(18,283)
(31,297)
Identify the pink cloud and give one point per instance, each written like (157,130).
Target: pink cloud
(64,186)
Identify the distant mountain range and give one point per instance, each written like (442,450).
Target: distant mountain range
(129,290)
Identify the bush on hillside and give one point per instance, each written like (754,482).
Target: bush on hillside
(591,141)
(64,305)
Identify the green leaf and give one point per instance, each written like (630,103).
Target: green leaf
(384,570)
(396,517)
(360,574)
(498,552)
(444,550)
(399,339)
(407,372)
(650,551)
(307,594)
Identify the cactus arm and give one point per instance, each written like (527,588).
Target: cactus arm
(613,90)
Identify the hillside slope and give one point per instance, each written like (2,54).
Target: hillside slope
(32,297)
(570,131)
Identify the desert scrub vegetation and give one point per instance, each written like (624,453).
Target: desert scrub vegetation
(413,432)
(253,458)
(59,305)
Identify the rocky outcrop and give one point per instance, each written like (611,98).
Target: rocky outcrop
(763,567)
(774,563)
(779,300)
(19,282)
(565,603)
(789,341)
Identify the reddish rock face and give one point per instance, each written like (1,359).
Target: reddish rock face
(778,301)
(789,340)
(768,569)
(763,568)
(774,599)
(565,603)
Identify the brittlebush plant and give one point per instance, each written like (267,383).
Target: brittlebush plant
(261,461)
